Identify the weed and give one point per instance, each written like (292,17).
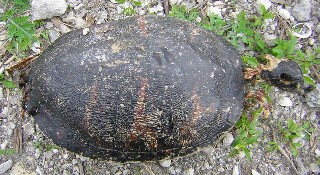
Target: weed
(129,10)
(291,132)
(21,31)
(181,12)
(248,133)
(265,14)
(6,83)
(251,61)
(284,48)
(51,146)
(7,152)
(216,24)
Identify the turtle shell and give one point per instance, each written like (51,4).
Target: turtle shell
(141,88)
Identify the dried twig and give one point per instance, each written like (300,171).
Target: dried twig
(283,152)
(166,7)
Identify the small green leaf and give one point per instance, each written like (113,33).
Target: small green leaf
(128,11)
(250,60)
(137,3)
(278,52)
(233,152)
(120,1)
(297,145)
(308,80)
(8,84)
(7,152)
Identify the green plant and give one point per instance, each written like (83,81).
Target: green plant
(247,133)
(51,146)
(291,132)
(265,14)
(129,10)
(308,60)
(251,61)
(21,31)
(216,24)
(6,83)
(7,152)
(181,12)
(284,48)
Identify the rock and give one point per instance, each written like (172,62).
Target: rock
(173,2)
(45,9)
(300,166)
(266,3)
(214,11)
(5,166)
(76,21)
(317,151)
(4,145)
(269,39)
(235,170)
(36,47)
(228,139)
(313,97)
(189,171)
(55,151)
(311,41)
(60,25)
(285,102)
(165,163)
(254,172)
(19,169)
(39,171)
(28,130)
(314,168)
(219,4)
(53,35)
(316,9)
(302,10)
(208,150)
(284,13)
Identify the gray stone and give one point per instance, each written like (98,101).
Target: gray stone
(165,163)
(235,170)
(189,171)
(302,10)
(285,102)
(316,9)
(314,168)
(53,35)
(5,166)
(313,97)
(45,9)
(19,169)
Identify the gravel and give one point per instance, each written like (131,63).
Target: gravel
(38,155)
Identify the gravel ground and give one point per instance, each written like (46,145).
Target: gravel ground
(38,155)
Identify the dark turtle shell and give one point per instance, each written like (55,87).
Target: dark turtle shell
(141,88)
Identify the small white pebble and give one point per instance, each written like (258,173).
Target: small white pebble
(254,172)
(285,101)
(314,168)
(311,41)
(165,163)
(85,31)
(317,151)
(235,170)
(55,151)
(284,13)
(65,156)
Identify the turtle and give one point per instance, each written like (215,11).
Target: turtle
(141,88)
